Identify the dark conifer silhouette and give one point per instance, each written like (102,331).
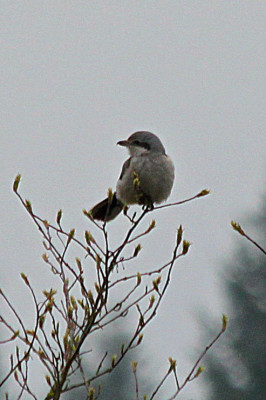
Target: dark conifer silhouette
(237,371)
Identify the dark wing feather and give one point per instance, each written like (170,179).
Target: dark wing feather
(125,167)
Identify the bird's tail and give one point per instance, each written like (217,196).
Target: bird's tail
(106,210)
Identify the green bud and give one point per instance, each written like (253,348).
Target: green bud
(141,321)
(152,300)
(65,338)
(25,279)
(114,357)
(134,365)
(179,235)
(87,214)
(110,195)
(204,192)
(97,287)
(158,280)
(91,393)
(79,264)
(16,183)
(58,217)
(172,364)
(186,246)
(16,375)
(49,295)
(46,223)
(89,238)
(41,320)
(70,235)
(28,206)
(70,311)
(90,297)
(73,302)
(225,321)
(155,286)
(199,371)
(98,262)
(137,250)
(48,380)
(81,303)
(152,226)
(45,258)
(140,339)
(49,306)
(237,228)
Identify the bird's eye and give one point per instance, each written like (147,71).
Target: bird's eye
(136,142)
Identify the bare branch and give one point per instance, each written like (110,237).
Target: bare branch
(238,228)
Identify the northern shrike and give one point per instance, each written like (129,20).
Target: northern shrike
(147,177)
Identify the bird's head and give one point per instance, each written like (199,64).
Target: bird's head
(142,142)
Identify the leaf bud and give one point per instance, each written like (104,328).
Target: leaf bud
(137,250)
(16,375)
(114,357)
(16,183)
(90,297)
(97,287)
(25,279)
(172,364)
(199,371)
(73,302)
(41,320)
(45,257)
(204,192)
(79,264)
(140,339)
(134,365)
(70,311)
(236,226)
(152,226)
(89,238)
(138,279)
(186,246)
(65,338)
(58,217)
(91,393)
(110,196)
(179,235)
(152,300)
(70,235)
(46,224)
(48,380)
(225,321)
(28,206)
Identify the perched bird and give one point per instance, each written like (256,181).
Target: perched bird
(147,177)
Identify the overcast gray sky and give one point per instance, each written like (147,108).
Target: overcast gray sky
(77,76)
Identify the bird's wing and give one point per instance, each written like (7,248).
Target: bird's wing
(125,167)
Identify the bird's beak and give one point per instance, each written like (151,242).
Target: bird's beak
(124,143)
